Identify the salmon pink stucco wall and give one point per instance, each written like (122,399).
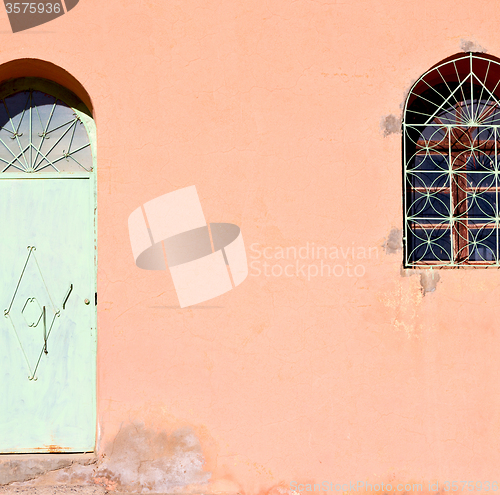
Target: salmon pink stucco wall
(284,115)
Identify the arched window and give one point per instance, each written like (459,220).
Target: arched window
(451,134)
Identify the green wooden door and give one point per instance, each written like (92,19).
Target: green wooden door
(47,273)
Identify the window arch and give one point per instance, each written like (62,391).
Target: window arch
(451,154)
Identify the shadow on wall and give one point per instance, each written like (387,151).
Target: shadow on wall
(143,460)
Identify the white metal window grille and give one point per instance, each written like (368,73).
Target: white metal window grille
(40,133)
(451,131)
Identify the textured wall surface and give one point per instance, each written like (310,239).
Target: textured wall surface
(285,115)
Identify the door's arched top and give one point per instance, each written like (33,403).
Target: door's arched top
(44,128)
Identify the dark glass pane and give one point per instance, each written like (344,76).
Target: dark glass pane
(482,244)
(432,135)
(484,136)
(488,112)
(482,205)
(436,162)
(429,205)
(16,105)
(478,161)
(476,180)
(429,244)
(429,180)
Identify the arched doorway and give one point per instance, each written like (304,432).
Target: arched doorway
(48,269)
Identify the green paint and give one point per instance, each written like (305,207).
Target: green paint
(56,213)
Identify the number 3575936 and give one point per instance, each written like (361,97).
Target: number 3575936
(33,8)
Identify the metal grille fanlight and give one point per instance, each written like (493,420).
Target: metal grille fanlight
(451,164)
(40,133)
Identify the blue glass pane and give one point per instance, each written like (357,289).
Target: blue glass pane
(433,134)
(482,205)
(476,180)
(429,244)
(479,161)
(429,179)
(435,205)
(447,115)
(488,112)
(482,244)
(484,136)
(435,162)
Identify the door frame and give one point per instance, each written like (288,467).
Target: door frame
(54,89)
